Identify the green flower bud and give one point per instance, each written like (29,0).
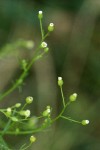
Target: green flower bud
(85,122)
(8,111)
(14,119)
(32,139)
(51,27)
(47,112)
(60,81)
(25,113)
(17,105)
(40,14)
(46,49)
(73,97)
(29,100)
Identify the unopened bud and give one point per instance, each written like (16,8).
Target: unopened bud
(51,27)
(40,14)
(60,81)
(73,97)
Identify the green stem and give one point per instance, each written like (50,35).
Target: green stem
(23,132)
(61,112)
(41,28)
(22,76)
(72,120)
(62,96)
(26,147)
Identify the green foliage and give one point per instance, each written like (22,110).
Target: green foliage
(19,120)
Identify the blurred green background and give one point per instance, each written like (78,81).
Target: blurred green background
(74,55)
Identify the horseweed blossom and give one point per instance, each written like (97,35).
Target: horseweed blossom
(9,111)
(43,45)
(25,113)
(17,105)
(73,97)
(85,122)
(32,139)
(51,27)
(40,14)
(29,100)
(60,81)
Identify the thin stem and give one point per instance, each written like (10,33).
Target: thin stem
(61,112)
(26,147)
(41,28)
(23,132)
(72,120)
(8,124)
(22,77)
(62,96)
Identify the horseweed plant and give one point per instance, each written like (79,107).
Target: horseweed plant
(19,118)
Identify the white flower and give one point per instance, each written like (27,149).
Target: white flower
(27,113)
(51,27)
(85,122)
(43,44)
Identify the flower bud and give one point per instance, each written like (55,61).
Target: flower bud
(32,139)
(29,100)
(85,122)
(60,81)
(43,45)
(8,111)
(73,97)
(17,105)
(40,14)
(25,113)
(47,111)
(46,49)
(51,27)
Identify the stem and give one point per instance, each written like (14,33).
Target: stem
(26,147)
(22,76)
(41,28)
(72,120)
(62,96)
(23,132)
(61,112)
(8,124)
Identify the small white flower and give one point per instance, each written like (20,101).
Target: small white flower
(59,78)
(29,100)
(9,109)
(40,12)
(43,44)
(51,27)
(60,81)
(32,139)
(51,24)
(27,113)
(85,122)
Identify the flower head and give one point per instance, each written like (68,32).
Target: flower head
(51,27)
(60,81)
(85,122)
(40,14)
